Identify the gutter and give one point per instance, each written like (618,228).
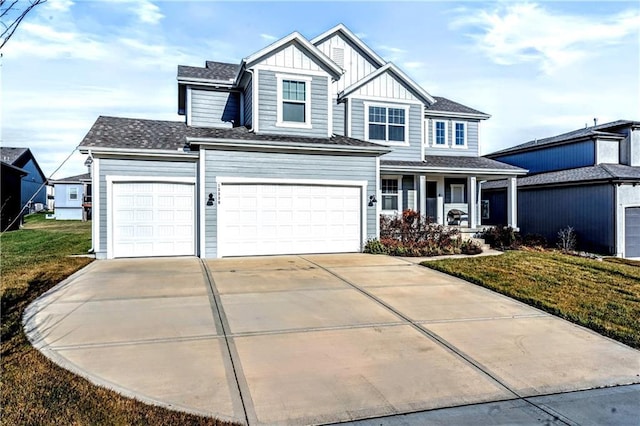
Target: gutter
(274,145)
(139,152)
(427,169)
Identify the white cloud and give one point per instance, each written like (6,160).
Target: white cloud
(59,5)
(146,11)
(268,37)
(529,33)
(412,65)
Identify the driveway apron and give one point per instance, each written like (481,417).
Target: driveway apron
(317,339)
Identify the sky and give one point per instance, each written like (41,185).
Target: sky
(539,68)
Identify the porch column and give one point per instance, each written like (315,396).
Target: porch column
(440,203)
(423,195)
(479,203)
(512,202)
(472,201)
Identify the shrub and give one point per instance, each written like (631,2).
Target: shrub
(470,247)
(567,240)
(534,240)
(502,237)
(374,246)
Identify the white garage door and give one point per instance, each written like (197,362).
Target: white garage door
(632,232)
(262,219)
(153,219)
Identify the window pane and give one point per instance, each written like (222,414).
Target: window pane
(440,133)
(293,112)
(396,133)
(293,90)
(389,186)
(377,132)
(396,116)
(459,133)
(377,115)
(389,202)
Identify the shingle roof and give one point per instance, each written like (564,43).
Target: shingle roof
(600,172)
(132,133)
(593,131)
(10,154)
(447,105)
(451,162)
(84,176)
(215,71)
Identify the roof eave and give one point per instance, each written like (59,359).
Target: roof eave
(97,151)
(479,116)
(223,142)
(452,170)
(206,82)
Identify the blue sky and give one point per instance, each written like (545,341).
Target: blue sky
(539,68)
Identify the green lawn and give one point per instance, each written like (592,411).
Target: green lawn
(33,389)
(601,295)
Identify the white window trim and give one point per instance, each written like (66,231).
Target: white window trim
(307,108)
(453,138)
(446,134)
(459,186)
(387,106)
(399,179)
(71,189)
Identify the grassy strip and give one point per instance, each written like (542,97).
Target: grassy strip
(34,390)
(603,296)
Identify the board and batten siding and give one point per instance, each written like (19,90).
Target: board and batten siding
(355,62)
(386,86)
(268,105)
(290,57)
(212,108)
(472,149)
(248,103)
(579,154)
(136,168)
(290,167)
(589,209)
(414,122)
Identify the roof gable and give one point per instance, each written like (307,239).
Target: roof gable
(397,75)
(294,41)
(342,30)
(447,107)
(19,157)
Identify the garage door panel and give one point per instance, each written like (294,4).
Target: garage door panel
(153,219)
(287,219)
(632,232)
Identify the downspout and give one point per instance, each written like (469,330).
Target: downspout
(253,99)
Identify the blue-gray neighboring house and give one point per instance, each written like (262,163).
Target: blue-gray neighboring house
(72,197)
(34,192)
(588,179)
(298,148)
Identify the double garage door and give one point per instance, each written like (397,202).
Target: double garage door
(263,219)
(158,219)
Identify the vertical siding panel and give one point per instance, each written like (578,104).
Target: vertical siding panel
(562,157)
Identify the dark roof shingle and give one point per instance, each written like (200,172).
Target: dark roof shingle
(451,162)
(214,71)
(447,105)
(10,154)
(132,133)
(76,178)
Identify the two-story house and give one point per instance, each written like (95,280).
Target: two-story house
(588,179)
(299,148)
(33,195)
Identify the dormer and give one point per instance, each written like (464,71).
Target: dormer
(287,88)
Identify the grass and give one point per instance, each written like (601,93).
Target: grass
(601,295)
(34,390)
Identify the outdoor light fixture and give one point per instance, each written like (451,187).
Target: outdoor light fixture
(210,200)
(372,199)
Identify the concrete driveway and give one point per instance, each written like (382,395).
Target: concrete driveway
(329,338)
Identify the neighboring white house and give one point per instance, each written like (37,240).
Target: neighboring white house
(72,197)
(298,148)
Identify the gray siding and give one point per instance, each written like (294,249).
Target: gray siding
(248,104)
(168,168)
(338,118)
(290,166)
(267,108)
(211,108)
(590,210)
(472,149)
(403,153)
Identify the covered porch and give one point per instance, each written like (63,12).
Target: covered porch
(445,189)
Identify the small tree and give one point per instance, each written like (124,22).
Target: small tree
(567,239)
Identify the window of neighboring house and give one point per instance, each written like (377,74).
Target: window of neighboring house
(294,101)
(457,193)
(440,133)
(460,135)
(73,193)
(390,194)
(386,124)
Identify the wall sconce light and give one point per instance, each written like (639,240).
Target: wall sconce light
(372,199)
(210,200)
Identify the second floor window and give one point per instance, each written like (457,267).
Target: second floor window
(387,124)
(461,139)
(294,101)
(440,133)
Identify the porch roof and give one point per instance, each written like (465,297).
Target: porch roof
(452,165)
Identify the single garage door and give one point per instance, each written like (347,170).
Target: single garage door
(153,219)
(632,232)
(264,219)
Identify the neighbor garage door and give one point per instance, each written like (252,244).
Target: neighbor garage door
(632,232)
(153,219)
(261,219)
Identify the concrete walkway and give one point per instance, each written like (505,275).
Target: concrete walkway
(329,338)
